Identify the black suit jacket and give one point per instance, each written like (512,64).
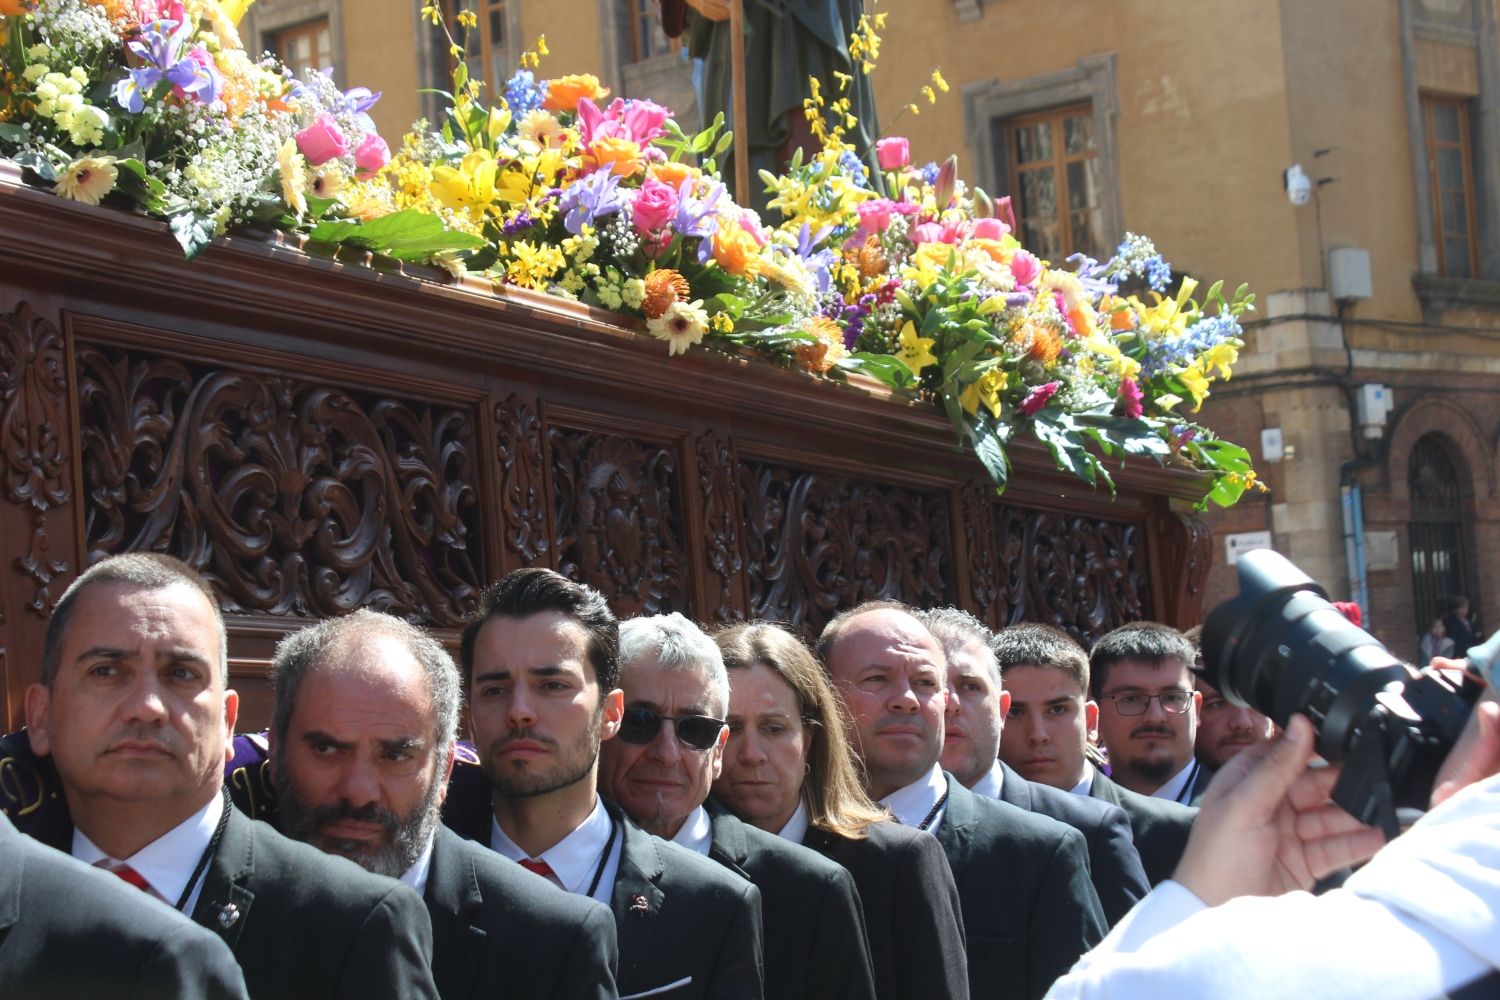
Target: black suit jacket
(1160,828)
(67,930)
(1023,879)
(1114,866)
(912,913)
(500,931)
(302,923)
(811,924)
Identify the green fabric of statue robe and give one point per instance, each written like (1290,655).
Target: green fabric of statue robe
(787,41)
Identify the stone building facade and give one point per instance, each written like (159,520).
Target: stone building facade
(1180,120)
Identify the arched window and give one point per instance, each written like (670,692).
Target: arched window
(1439,542)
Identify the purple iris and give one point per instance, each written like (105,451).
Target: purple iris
(819,262)
(353,103)
(588,199)
(159,48)
(695,216)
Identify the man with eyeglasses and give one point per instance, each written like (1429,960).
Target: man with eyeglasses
(539,658)
(1148,710)
(660,767)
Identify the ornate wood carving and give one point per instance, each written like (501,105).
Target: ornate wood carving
(723,548)
(292,498)
(619,519)
(1186,545)
(1084,575)
(33,395)
(523,489)
(981,555)
(817,543)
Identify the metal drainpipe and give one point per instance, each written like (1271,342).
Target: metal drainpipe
(1354,542)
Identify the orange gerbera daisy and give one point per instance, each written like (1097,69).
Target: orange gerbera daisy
(663,287)
(819,355)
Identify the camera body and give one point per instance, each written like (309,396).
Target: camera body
(1281,648)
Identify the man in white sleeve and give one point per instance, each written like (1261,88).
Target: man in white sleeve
(1421,920)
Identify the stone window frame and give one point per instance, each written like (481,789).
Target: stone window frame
(265,20)
(1436,292)
(1094,80)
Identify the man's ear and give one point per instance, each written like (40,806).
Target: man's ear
(231,716)
(38,701)
(446,773)
(1091,721)
(614,711)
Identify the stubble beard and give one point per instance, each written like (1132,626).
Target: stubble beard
(569,769)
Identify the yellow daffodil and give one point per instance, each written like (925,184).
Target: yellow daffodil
(986,390)
(916,352)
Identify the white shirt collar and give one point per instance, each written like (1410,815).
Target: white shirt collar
(697,832)
(416,875)
(796,827)
(1176,786)
(575,858)
(990,783)
(1086,785)
(912,804)
(168,861)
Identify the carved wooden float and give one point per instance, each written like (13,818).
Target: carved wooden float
(318,434)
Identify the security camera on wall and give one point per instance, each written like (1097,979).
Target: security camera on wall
(1298,185)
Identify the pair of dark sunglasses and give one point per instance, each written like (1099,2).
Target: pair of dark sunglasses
(640,726)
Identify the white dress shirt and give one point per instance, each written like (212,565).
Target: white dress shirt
(416,875)
(990,782)
(696,832)
(168,861)
(796,827)
(1421,919)
(1085,785)
(912,804)
(1177,787)
(575,858)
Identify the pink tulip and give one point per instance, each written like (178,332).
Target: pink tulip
(322,141)
(371,156)
(893,152)
(1025,268)
(642,119)
(927,232)
(989,229)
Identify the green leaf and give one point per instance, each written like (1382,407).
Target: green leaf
(408,235)
(137,182)
(882,367)
(38,164)
(193,232)
(12,133)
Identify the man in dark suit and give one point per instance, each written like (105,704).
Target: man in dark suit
(1050,720)
(67,930)
(133,710)
(539,662)
(1023,880)
(971,742)
(660,767)
(363,737)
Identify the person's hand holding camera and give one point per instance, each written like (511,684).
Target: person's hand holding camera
(1267,826)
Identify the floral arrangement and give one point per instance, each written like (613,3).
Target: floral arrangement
(904,274)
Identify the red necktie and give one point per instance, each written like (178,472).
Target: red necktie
(129,875)
(536,867)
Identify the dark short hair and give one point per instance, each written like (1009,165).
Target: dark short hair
(527,592)
(1032,644)
(141,571)
(314,647)
(830,634)
(955,627)
(1144,642)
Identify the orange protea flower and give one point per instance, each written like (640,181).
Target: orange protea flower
(818,356)
(564,93)
(623,156)
(870,258)
(673,174)
(1046,343)
(14,8)
(663,287)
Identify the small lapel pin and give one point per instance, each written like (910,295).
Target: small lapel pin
(228,916)
(638,904)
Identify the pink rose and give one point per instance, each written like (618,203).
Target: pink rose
(1130,398)
(655,205)
(893,152)
(874,216)
(989,229)
(371,156)
(1038,398)
(322,141)
(1025,268)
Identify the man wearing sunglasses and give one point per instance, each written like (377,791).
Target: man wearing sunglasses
(1148,710)
(539,659)
(660,767)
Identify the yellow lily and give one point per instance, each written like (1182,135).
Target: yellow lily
(470,187)
(986,390)
(1196,384)
(916,352)
(1223,357)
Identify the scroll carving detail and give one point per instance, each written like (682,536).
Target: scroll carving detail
(33,394)
(721,516)
(985,587)
(291,498)
(817,544)
(523,490)
(619,520)
(1187,546)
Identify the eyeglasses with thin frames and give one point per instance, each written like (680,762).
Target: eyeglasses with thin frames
(1174,702)
(697,732)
